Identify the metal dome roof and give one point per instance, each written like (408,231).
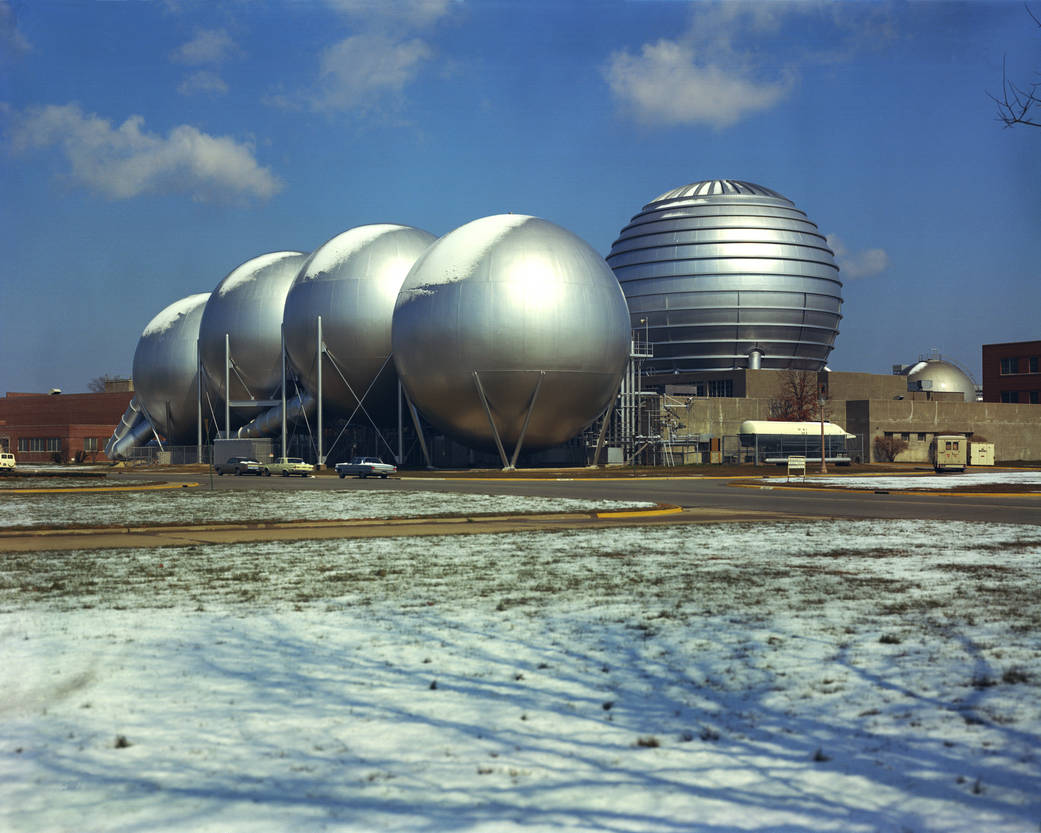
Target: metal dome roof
(717,187)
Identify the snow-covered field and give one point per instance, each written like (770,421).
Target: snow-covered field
(201,505)
(834,676)
(928,482)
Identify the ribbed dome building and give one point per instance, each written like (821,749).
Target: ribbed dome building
(724,274)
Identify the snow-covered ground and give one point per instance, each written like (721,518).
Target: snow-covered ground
(8,483)
(928,482)
(201,505)
(833,676)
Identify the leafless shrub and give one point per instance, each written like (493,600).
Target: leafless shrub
(887,448)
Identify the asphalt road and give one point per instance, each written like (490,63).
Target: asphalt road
(725,496)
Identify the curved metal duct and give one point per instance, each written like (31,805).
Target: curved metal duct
(269,423)
(134,429)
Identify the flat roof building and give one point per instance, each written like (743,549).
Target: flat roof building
(1012,372)
(44,428)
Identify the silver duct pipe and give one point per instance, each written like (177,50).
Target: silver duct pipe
(134,429)
(269,423)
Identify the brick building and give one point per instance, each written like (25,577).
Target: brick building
(1012,372)
(40,427)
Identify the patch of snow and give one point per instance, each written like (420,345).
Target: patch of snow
(252,269)
(924,481)
(327,258)
(200,505)
(829,676)
(456,256)
(174,314)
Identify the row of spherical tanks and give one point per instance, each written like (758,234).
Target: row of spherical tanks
(509,321)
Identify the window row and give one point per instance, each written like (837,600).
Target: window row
(39,443)
(715,387)
(1026,364)
(1024,397)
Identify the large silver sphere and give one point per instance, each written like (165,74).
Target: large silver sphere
(716,269)
(352,281)
(166,369)
(248,305)
(510,297)
(940,376)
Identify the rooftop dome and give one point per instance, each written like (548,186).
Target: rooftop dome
(718,270)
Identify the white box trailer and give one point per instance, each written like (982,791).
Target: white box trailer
(981,454)
(949,452)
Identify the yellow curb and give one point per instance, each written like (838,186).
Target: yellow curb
(641,513)
(146,488)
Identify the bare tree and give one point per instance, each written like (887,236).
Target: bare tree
(97,384)
(887,448)
(798,400)
(1019,104)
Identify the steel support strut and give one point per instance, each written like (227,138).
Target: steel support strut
(527,419)
(495,431)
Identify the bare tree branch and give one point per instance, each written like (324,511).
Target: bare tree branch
(1018,104)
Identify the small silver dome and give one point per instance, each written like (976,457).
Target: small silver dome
(941,376)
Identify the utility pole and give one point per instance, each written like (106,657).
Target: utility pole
(824,464)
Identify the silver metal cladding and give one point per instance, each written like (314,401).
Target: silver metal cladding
(352,281)
(519,305)
(247,306)
(718,269)
(165,368)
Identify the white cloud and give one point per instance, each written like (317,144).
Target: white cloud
(361,69)
(126,161)
(416,13)
(862,264)
(735,59)
(378,61)
(667,84)
(203,81)
(209,46)
(12,42)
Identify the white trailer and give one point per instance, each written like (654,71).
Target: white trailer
(949,452)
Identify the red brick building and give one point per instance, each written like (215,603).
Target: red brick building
(38,426)
(1012,372)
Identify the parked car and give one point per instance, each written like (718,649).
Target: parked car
(7,461)
(239,466)
(366,467)
(287,466)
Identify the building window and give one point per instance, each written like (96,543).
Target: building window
(90,443)
(1009,396)
(905,436)
(1035,397)
(1034,363)
(1009,366)
(30,444)
(921,438)
(721,387)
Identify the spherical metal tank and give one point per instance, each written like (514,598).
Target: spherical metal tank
(941,376)
(166,369)
(716,270)
(525,305)
(247,306)
(352,282)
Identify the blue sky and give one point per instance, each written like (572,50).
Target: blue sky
(148,148)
